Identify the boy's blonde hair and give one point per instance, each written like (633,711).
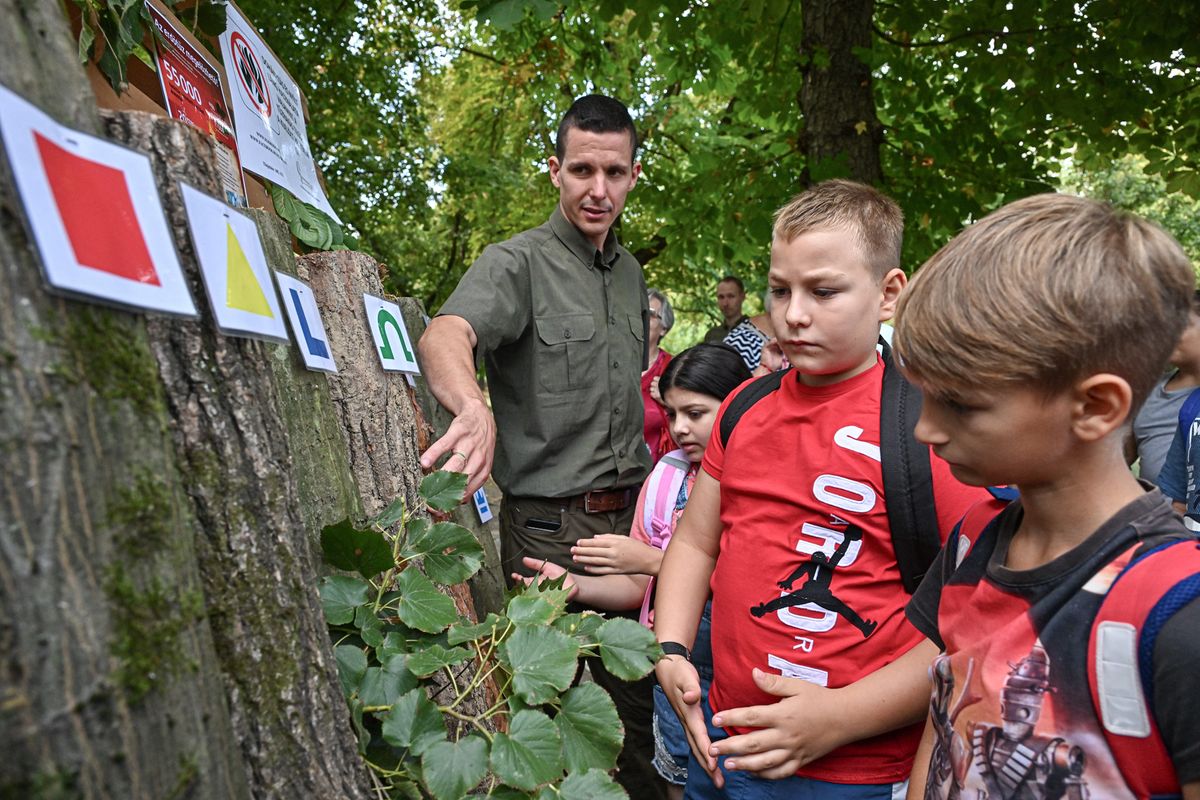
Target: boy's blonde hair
(1044,292)
(873,216)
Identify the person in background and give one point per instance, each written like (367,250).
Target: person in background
(1154,425)
(558,314)
(662,319)
(731,293)
(621,569)
(749,335)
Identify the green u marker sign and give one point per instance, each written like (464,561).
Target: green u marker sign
(383,319)
(391,337)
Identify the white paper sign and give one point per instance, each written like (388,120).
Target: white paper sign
(268,113)
(482,506)
(234,268)
(94,211)
(307,328)
(392,343)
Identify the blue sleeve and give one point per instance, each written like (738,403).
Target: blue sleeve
(1172,479)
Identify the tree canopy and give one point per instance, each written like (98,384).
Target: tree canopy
(433,121)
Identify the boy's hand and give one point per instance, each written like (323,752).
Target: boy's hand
(614,554)
(801,727)
(681,684)
(546,571)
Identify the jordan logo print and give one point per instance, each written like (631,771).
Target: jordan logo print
(816,590)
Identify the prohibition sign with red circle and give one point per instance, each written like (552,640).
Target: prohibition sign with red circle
(250,74)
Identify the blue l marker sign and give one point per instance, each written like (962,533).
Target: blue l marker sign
(315,346)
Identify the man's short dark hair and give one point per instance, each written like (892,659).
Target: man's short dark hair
(734,279)
(596,113)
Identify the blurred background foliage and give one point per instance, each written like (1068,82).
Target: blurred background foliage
(433,119)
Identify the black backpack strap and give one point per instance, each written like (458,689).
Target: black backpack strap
(747,397)
(907,477)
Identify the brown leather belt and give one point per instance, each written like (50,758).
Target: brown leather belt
(599,501)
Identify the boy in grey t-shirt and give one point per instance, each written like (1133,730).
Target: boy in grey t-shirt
(1154,425)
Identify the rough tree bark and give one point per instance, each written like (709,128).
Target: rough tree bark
(109,681)
(836,102)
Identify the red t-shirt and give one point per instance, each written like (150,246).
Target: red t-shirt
(802,499)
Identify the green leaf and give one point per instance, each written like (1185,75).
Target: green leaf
(414,722)
(370,627)
(444,490)
(531,610)
(426,662)
(542,662)
(86,37)
(309,224)
(361,734)
(391,515)
(451,769)
(383,686)
(352,666)
(144,56)
(627,649)
(340,595)
(590,729)
(421,605)
(582,627)
(348,548)
(211,18)
(591,785)
(469,633)
(530,753)
(451,553)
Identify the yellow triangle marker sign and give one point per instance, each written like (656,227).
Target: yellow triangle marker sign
(242,290)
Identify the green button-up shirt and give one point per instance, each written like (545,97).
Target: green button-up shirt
(562,328)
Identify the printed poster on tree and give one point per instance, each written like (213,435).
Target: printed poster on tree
(268,114)
(192,92)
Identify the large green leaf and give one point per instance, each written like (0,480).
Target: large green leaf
(346,547)
(352,666)
(421,605)
(444,490)
(451,553)
(370,626)
(414,722)
(590,729)
(591,785)
(530,753)
(542,661)
(531,610)
(627,649)
(383,686)
(451,769)
(428,661)
(340,595)
(582,627)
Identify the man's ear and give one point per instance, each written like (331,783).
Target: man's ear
(1101,404)
(892,285)
(635,174)
(555,167)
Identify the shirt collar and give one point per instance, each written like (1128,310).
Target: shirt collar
(579,244)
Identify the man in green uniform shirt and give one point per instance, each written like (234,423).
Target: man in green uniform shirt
(559,314)
(731,293)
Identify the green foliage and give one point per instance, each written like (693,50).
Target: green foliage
(310,225)
(113,30)
(407,663)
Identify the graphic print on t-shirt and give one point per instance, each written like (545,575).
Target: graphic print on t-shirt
(816,590)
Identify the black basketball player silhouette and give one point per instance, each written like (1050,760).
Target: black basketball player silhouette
(819,569)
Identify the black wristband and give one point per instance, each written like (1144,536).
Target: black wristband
(675,649)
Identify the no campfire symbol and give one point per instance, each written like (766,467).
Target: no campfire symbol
(250,75)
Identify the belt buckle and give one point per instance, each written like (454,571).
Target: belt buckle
(587,504)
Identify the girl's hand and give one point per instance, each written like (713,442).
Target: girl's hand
(654,393)
(681,684)
(547,571)
(614,554)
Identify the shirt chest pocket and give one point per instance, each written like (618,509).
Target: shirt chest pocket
(569,353)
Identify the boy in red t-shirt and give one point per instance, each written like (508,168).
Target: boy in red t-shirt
(788,525)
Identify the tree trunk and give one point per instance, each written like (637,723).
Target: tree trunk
(842,134)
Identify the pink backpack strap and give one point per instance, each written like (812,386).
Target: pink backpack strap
(662,490)
(1143,592)
(658,512)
